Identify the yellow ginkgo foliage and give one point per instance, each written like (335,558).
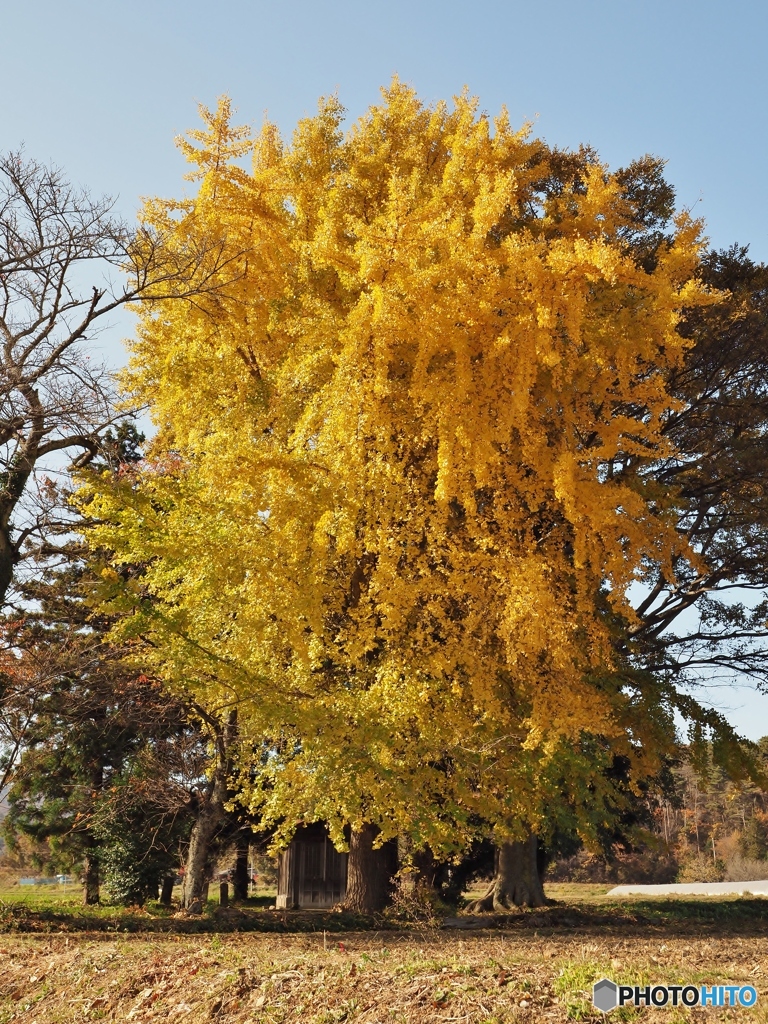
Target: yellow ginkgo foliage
(396,499)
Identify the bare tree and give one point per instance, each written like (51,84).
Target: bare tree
(66,264)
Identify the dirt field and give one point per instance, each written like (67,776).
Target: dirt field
(530,967)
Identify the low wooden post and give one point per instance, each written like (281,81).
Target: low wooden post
(223,895)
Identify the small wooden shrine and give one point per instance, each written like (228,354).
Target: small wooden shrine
(311,873)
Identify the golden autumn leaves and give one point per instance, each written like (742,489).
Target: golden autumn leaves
(406,497)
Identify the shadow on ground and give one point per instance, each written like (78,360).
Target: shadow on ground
(740,917)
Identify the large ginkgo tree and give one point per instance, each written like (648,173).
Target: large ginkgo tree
(396,500)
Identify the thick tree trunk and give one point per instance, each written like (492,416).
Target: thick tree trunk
(516,883)
(240,874)
(369,872)
(198,857)
(91,879)
(210,816)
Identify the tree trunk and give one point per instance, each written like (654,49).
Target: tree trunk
(8,560)
(369,872)
(198,857)
(166,893)
(91,879)
(209,817)
(418,869)
(240,874)
(516,883)
(426,870)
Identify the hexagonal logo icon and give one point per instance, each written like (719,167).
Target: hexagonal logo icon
(605,995)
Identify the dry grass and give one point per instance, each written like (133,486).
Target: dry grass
(59,965)
(368,977)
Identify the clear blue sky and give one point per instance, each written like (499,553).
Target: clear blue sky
(101,88)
